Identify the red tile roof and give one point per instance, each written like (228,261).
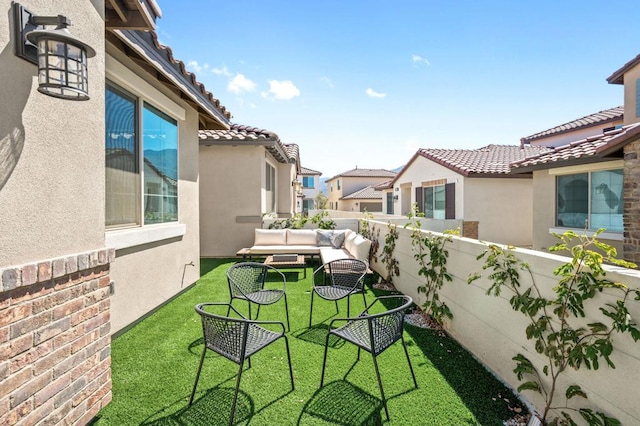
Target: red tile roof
(591,120)
(586,150)
(146,45)
(618,76)
(489,160)
(240,134)
(365,173)
(384,185)
(366,193)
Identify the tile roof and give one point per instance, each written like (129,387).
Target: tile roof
(307,171)
(365,173)
(293,152)
(366,193)
(145,44)
(491,160)
(595,119)
(582,151)
(618,76)
(384,185)
(239,134)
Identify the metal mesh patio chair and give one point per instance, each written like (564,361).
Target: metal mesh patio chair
(236,339)
(346,277)
(374,333)
(247,282)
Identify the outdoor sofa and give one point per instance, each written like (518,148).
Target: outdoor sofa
(327,244)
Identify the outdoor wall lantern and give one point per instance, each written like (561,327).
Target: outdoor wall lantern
(297,186)
(60,56)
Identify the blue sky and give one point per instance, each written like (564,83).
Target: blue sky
(368,83)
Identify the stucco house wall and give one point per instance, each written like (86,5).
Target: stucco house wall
(54,266)
(506,215)
(631,77)
(234,200)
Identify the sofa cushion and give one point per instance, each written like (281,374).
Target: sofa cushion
(337,239)
(284,249)
(270,237)
(361,248)
(301,237)
(329,254)
(350,236)
(324,237)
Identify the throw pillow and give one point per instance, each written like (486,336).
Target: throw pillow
(324,237)
(337,239)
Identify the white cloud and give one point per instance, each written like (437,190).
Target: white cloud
(196,67)
(283,90)
(373,94)
(417,59)
(240,84)
(222,71)
(327,81)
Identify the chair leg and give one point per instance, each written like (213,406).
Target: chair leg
(324,360)
(286,308)
(349,305)
(235,395)
(336,302)
(286,342)
(258,313)
(384,400)
(195,385)
(249,305)
(311,309)
(409,361)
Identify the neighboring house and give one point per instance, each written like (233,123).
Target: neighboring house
(310,180)
(245,172)
(366,199)
(577,129)
(345,184)
(98,201)
(473,186)
(591,182)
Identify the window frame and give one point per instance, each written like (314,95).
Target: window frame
(308,179)
(589,201)
(140,99)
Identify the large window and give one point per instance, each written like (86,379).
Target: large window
(141,172)
(590,200)
(307,182)
(434,202)
(389,202)
(308,205)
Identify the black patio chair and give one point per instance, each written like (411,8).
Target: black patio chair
(247,282)
(374,333)
(346,277)
(236,339)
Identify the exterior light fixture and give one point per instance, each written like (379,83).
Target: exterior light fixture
(297,186)
(60,56)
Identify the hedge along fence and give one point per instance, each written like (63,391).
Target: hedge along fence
(494,333)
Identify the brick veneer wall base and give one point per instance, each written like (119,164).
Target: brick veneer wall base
(55,342)
(470,229)
(631,193)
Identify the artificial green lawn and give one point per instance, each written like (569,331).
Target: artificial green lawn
(154,366)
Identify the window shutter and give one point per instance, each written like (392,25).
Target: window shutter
(450,200)
(419,201)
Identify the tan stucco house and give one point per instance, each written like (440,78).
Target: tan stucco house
(245,173)
(341,187)
(590,182)
(472,186)
(99,222)
(310,181)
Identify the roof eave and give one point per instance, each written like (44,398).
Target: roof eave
(618,76)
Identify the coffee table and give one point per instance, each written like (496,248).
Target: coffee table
(288,264)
